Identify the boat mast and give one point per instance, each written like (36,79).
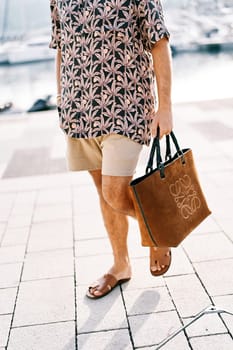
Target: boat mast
(4,22)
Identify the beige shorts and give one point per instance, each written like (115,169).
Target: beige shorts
(114,154)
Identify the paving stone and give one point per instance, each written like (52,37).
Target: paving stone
(86,200)
(54,196)
(111,340)
(226,303)
(45,301)
(58,148)
(89,226)
(25,198)
(179,342)
(151,329)
(22,210)
(222,209)
(12,254)
(10,275)
(144,301)
(213,342)
(100,315)
(90,268)
(2,230)
(52,212)
(134,241)
(38,182)
(182,288)
(142,278)
(7,300)
(207,226)
(57,336)
(37,158)
(206,325)
(180,263)
(5,322)
(15,236)
(57,166)
(52,264)
(5,213)
(216,277)
(17,221)
(227,226)
(7,200)
(219,247)
(51,235)
(93,247)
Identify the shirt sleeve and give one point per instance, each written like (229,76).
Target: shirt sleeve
(151,21)
(55,42)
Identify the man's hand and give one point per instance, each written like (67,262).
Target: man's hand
(161,54)
(162,119)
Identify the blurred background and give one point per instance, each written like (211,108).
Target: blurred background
(201,39)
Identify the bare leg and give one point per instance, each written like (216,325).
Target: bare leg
(117,193)
(116,203)
(117,227)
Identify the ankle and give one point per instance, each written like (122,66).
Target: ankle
(121,271)
(121,261)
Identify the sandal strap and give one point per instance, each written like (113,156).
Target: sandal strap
(158,255)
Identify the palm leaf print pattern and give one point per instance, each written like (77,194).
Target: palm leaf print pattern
(107,77)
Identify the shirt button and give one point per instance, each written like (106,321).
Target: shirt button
(86,13)
(73,125)
(119,78)
(108,8)
(139,89)
(76,83)
(96,33)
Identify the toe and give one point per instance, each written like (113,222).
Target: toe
(154,268)
(97,293)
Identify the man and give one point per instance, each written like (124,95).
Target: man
(108,55)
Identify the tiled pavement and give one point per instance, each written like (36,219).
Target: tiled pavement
(53,244)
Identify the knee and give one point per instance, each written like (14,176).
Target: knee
(116,198)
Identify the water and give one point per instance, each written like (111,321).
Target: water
(202,76)
(23,84)
(197,76)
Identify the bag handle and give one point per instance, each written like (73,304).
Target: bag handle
(156,148)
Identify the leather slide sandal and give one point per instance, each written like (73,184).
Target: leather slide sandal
(163,257)
(104,285)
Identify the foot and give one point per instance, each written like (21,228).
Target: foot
(160,260)
(108,282)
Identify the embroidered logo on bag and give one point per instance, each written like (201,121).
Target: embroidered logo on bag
(185,196)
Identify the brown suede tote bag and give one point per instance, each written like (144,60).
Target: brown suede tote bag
(168,200)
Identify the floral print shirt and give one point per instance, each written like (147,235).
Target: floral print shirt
(107,78)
